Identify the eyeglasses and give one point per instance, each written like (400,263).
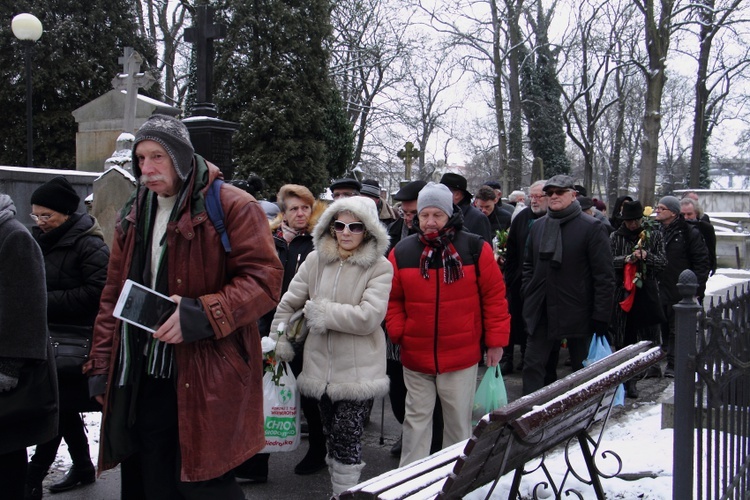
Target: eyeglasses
(403,214)
(661,208)
(557,192)
(353,227)
(537,196)
(37,218)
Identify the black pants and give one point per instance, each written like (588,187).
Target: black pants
(73,431)
(13,474)
(153,473)
(539,350)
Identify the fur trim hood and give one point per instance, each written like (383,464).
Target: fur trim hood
(375,242)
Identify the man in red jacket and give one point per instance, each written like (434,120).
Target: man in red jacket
(448,296)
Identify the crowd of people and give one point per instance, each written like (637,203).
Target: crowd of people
(406,301)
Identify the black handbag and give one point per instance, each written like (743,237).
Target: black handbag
(71,345)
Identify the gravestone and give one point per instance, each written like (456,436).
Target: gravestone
(111,190)
(130,81)
(211,136)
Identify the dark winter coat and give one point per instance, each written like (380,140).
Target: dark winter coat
(499,220)
(685,250)
(23,333)
(219,379)
(709,237)
(513,268)
(439,326)
(646,309)
(75,260)
(580,290)
(475,221)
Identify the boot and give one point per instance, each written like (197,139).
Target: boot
(343,476)
(315,460)
(35,474)
(78,474)
(396,448)
(254,469)
(631,391)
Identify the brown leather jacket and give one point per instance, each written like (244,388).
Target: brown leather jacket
(219,380)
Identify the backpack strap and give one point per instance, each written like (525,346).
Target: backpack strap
(216,212)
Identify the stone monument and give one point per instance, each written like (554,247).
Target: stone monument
(211,136)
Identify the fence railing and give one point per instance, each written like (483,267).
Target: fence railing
(711,395)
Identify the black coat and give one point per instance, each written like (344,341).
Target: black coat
(499,219)
(75,260)
(475,221)
(685,250)
(709,237)
(580,290)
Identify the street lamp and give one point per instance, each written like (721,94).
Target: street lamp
(28,29)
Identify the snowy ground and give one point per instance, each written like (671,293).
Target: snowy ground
(634,433)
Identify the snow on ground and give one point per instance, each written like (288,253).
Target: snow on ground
(637,437)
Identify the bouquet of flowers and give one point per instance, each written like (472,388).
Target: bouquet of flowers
(271,364)
(501,242)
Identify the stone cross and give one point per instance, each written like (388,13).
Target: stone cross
(130,80)
(202,34)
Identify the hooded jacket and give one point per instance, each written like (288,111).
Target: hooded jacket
(218,380)
(345,302)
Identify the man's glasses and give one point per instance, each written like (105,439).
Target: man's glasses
(403,214)
(37,218)
(661,208)
(353,227)
(557,192)
(537,196)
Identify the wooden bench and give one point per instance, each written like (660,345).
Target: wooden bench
(508,438)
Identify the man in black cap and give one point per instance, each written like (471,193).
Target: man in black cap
(568,282)
(407,211)
(371,189)
(474,220)
(345,188)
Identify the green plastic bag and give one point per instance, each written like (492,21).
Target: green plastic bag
(490,394)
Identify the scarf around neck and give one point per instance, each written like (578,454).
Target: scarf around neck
(442,242)
(551,244)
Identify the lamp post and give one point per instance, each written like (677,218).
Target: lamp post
(28,29)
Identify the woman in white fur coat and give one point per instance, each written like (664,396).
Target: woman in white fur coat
(343,288)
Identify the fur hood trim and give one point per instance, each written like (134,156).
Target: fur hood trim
(317,210)
(364,209)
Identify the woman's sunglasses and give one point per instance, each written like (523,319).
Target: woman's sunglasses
(353,227)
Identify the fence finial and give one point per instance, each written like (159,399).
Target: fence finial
(687,284)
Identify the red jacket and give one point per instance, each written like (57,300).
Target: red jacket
(218,380)
(439,326)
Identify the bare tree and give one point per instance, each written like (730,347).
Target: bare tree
(657,15)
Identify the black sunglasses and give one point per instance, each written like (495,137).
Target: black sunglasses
(353,227)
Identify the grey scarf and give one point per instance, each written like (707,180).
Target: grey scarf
(7,208)
(551,244)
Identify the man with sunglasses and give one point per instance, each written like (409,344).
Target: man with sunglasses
(568,282)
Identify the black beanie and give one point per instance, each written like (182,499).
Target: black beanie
(173,136)
(57,194)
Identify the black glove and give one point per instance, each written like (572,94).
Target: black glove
(599,328)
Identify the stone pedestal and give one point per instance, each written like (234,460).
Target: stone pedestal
(212,139)
(111,190)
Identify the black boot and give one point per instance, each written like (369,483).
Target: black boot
(78,474)
(34,476)
(254,469)
(396,448)
(631,391)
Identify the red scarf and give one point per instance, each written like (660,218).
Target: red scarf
(452,265)
(628,278)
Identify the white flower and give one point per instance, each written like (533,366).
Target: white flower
(267,344)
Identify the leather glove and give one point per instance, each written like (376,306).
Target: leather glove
(599,328)
(7,382)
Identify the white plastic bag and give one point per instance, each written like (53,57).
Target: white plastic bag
(281,407)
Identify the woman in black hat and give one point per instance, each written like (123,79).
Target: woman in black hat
(639,256)
(75,261)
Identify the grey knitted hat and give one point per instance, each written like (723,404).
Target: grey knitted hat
(672,204)
(173,136)
(435,195)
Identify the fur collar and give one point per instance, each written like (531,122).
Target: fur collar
(365,210)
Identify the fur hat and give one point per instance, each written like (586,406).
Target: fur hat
(173,136)
(57,194)
(363,209)
(436,195)
(672,204)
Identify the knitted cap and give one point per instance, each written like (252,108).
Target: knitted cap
(370,187)
(672,204)
(173,136)
(57,194)
(436,195)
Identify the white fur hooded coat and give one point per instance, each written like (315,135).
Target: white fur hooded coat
(344,301)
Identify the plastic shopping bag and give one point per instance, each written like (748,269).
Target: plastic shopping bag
(600,349)
(490,394)
(281,412)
